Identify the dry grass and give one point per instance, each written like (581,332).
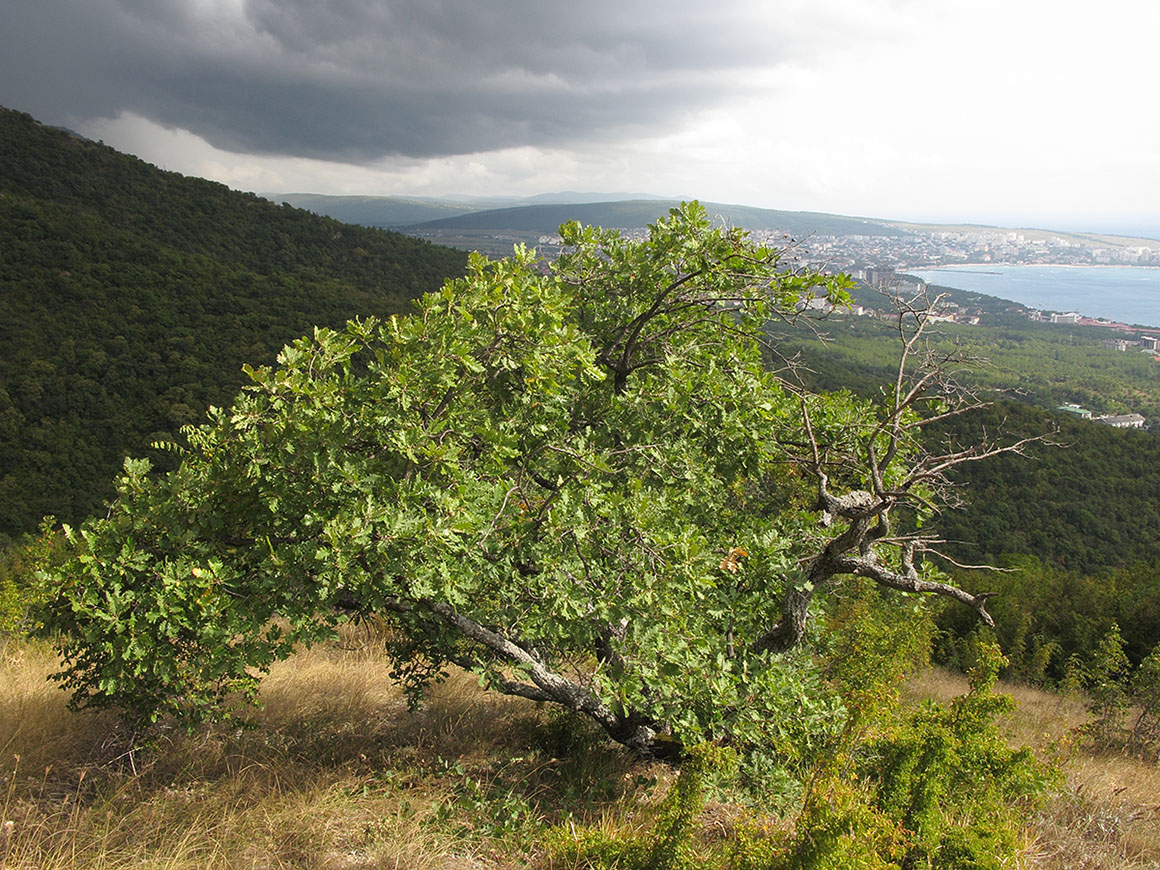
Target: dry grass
(1108,816)
(337,774)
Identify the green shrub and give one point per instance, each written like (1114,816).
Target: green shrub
(1145,692)
(937,788)
(873,642)
(668,845)
(20,590)
(947,775)
(1106,679)
(839,828)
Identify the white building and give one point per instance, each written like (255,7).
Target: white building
(1122,421)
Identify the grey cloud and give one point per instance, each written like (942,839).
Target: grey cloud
(356,80)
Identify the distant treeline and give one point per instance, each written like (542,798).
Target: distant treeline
(131,297)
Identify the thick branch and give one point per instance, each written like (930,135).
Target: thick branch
(790,630)
(632,730)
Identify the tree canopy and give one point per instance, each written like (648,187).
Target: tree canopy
(583,482)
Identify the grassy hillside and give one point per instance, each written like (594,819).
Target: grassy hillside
(338,774)
(130,298)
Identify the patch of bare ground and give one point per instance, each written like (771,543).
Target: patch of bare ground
(1107,817)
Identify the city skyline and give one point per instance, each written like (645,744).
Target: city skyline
(1033,114)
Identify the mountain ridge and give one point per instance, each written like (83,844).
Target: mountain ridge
(543,213)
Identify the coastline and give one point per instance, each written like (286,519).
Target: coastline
(1121,297)
(973,267)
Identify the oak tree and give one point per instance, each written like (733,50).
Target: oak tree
(586,482)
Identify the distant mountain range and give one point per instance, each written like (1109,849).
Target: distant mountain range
(467,221)
(544,214)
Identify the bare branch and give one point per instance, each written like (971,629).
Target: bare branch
(911,582)
(881,452)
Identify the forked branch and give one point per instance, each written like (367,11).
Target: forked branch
(901,473)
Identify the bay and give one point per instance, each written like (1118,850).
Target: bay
(1119,293)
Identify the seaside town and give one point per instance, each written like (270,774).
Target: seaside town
(923,249)
(881,262)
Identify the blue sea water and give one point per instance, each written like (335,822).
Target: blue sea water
(1124,294)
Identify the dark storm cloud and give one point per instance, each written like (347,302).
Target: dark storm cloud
(356,80)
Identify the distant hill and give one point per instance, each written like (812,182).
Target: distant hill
(638,213)
(376,211)
(400,211)
(130,298)
(543,214)
(469,221)
(573,196)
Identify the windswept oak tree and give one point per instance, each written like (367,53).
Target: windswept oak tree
(581,483)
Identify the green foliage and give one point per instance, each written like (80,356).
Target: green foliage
(839,828)
(1105,677)
(948,777)
(872,643)
(667,845)
(936,787)
(1145,694)
(499,476)
(20,590)
(130,299)
(12,607)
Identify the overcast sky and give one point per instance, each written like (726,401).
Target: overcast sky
(1026,112)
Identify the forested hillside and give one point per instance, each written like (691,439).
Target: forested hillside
(1090,501)
(131,297)
(1076,521)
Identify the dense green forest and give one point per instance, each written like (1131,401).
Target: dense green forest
(130,298)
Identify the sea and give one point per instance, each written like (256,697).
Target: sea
(1120,293)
